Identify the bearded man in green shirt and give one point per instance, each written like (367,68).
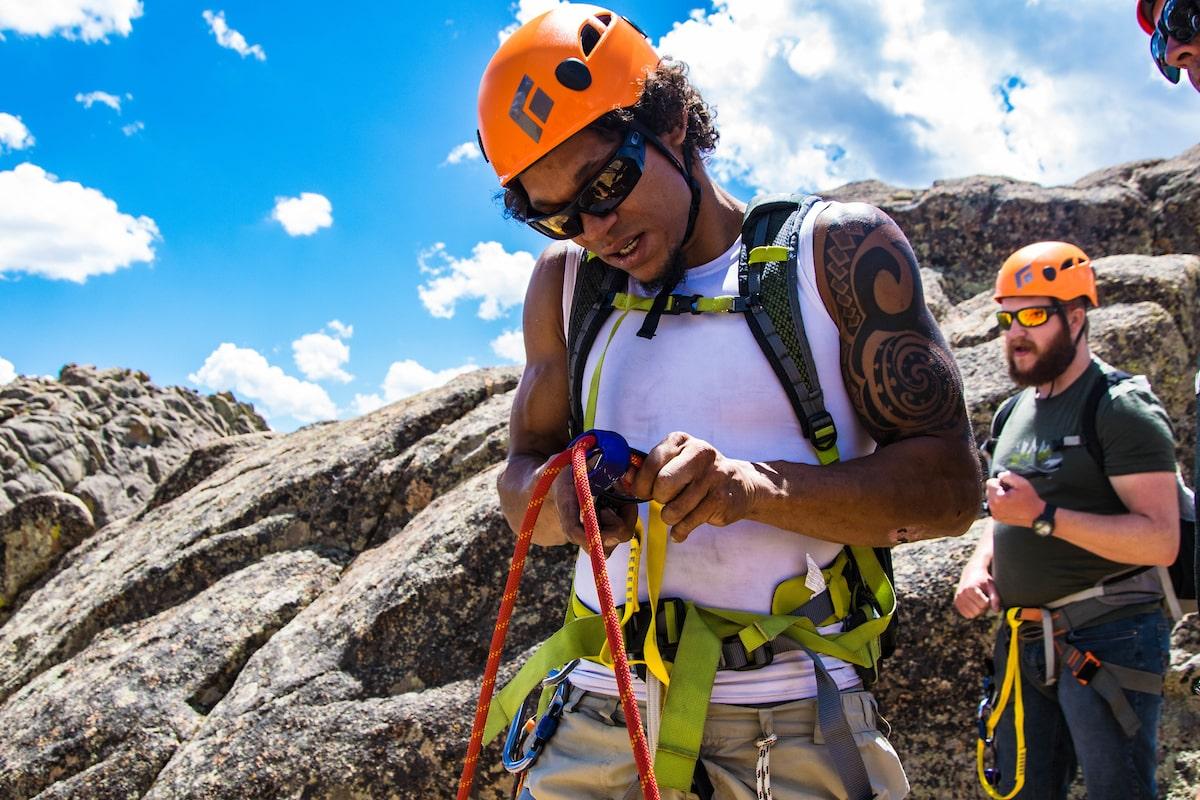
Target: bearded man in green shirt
(1070,552)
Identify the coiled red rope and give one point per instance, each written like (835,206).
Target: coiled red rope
(577,456)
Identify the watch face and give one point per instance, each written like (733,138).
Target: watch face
(1043,527)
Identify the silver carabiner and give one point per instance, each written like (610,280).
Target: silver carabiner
(542,729)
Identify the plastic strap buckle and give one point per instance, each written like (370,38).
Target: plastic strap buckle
(824,431)
(1084,667)
(637,629)
(683,304)
(735,656)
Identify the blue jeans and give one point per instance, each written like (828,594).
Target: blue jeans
(1075,727)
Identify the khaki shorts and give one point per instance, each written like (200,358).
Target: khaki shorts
(589,757)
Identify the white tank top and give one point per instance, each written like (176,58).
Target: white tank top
(705,375)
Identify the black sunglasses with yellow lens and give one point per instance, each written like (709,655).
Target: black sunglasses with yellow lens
(1028,317)
(605,190)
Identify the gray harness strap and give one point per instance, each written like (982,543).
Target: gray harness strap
(838,736)
(1076,611)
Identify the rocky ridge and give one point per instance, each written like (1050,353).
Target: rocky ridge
(89,448)
(307,615)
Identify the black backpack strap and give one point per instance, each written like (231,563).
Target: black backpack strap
(595,284)
(1101,386)
(767,279)
(998,421)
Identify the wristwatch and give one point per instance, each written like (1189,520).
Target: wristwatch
(1044,524)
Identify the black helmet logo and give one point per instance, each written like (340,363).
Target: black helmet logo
(539,106)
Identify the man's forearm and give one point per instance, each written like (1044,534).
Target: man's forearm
(917,488)
(1124,538)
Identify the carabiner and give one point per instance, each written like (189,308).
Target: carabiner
(541,729)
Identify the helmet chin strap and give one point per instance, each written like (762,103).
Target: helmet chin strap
(654,315)
(1075,343)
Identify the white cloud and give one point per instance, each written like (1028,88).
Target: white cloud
(809,97)
(320,357)
(467,151)
(89,20)
(339,330)
(366,403)
(510,345)
(247,374)
(13,133)
(303,215)
(492,275)
(64,230)
(407,377)
(104,98)
(7,372)
(133,127)
(228,38)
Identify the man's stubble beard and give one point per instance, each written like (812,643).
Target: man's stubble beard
(676,269)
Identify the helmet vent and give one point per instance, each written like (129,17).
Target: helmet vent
(589,37)
(605,18)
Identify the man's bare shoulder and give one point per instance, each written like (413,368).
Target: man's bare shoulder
(838,215)
(543,314)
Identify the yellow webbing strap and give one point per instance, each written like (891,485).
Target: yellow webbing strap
(767,252)
(704,305)
(589,414)
(656,558)
(1012,685)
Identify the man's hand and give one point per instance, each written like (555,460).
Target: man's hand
(695,484)
(616,526)
(976,592)
(1013,500)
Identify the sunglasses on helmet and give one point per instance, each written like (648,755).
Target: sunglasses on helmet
(605,190)
(1029,317)
(1180,20)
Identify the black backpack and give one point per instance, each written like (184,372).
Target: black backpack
(769,299)
(1183,571)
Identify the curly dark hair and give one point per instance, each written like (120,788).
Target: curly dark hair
(666,95)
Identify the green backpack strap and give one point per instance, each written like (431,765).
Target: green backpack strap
(767,278)
(596,283)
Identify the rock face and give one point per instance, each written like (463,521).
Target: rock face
(306,616)
(105,439)
(965,228)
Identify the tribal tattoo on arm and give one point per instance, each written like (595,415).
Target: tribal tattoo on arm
(896,365)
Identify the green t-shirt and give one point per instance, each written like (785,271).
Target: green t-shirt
(1135,435)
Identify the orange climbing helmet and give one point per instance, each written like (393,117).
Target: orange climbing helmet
(552,77)
(1048,269)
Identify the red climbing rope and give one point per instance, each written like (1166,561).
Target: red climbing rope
(577,455)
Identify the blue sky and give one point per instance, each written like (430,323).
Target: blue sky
(279,199)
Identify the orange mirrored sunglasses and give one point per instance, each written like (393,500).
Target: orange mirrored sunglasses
(1028,317)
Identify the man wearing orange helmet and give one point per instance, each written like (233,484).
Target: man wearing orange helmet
(1084,497)
(1174,29)
(598,142)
